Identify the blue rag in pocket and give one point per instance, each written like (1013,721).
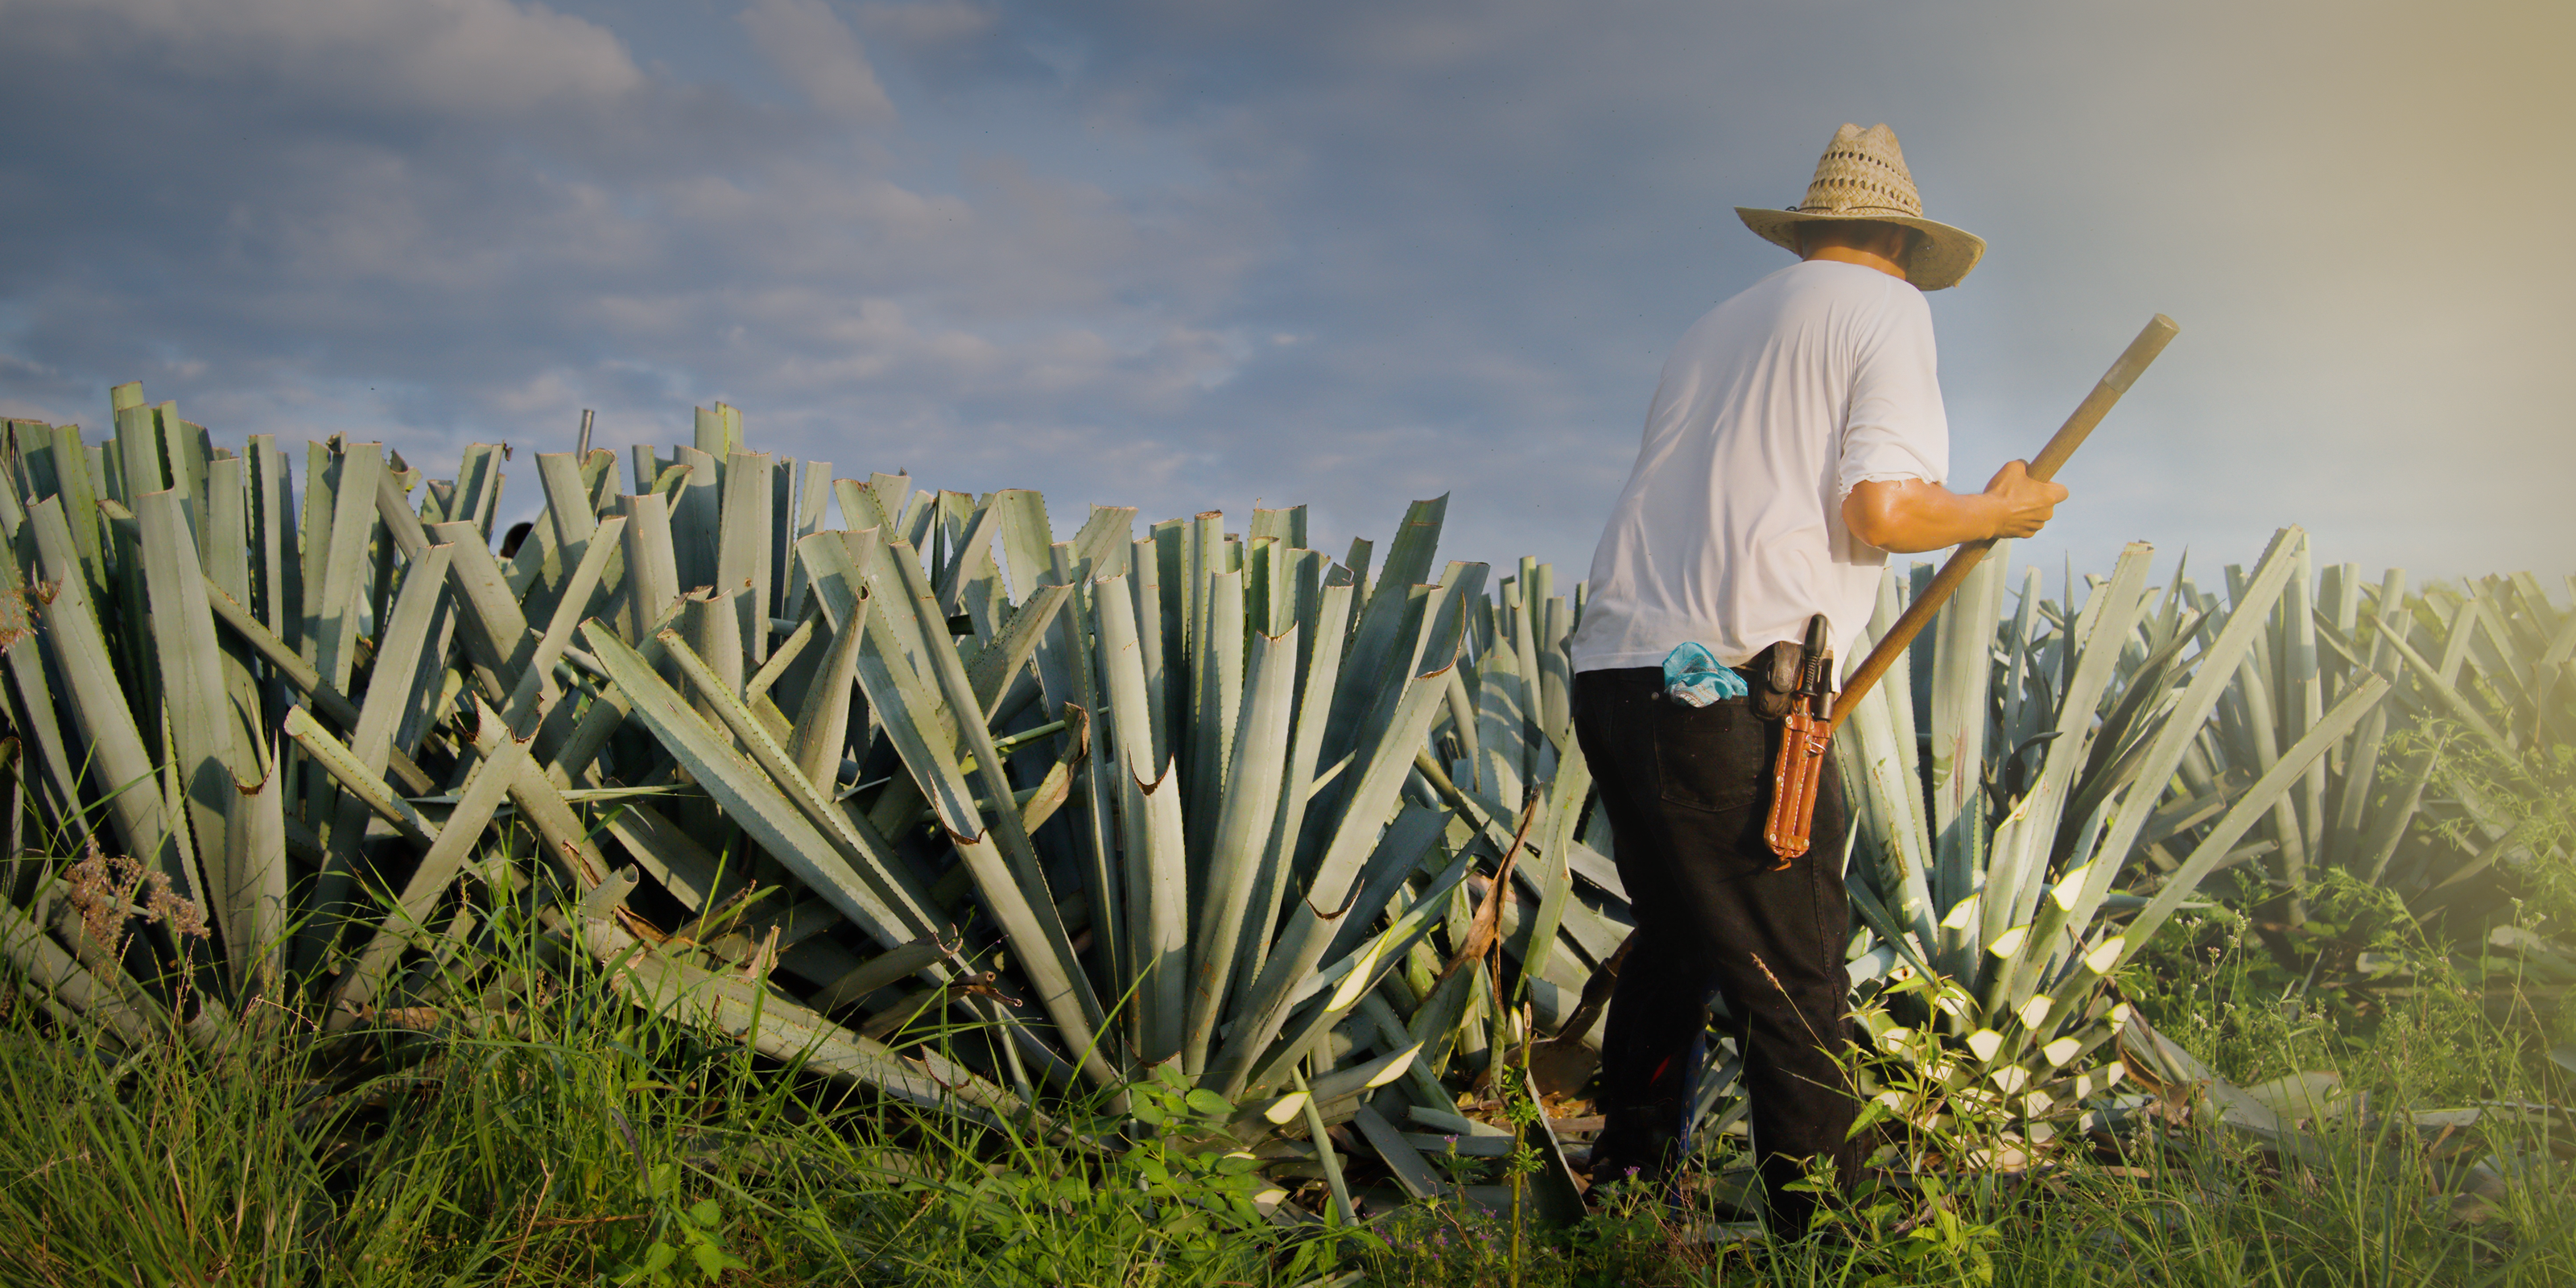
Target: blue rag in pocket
(1693,676)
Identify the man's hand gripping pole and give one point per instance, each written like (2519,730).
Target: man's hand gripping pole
(1808,734)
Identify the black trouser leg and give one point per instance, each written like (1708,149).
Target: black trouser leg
(1687,788)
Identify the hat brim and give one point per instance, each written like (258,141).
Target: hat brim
(1945,255)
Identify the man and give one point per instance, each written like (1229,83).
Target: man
(1796,439)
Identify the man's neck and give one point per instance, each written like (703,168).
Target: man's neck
(1864,258)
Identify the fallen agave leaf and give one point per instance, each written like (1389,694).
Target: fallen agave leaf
(2314,1096)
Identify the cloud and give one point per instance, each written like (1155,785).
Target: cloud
(484,58)
(1502,214)
(1063,259)
(821,56)
(934,22)
(442,266)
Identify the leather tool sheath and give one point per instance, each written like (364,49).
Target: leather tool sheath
(1806,736)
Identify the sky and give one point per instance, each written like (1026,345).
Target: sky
(1194,254)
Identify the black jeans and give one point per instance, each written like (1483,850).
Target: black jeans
(1687,788)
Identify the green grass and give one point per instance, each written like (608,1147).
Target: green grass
(572,1139)
(2366,1217)
(2374,1207)
(590,1145)
(570,1150)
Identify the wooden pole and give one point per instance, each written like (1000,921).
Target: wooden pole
(2043,467)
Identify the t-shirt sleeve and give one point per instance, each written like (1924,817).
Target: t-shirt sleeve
(1896,428)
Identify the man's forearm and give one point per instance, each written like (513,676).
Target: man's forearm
(1924,516)
(1907,516)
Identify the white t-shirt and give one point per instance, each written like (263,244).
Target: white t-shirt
(1773,407)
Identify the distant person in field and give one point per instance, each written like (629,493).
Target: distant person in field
(1796,439)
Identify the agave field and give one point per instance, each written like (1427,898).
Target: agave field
(989,806)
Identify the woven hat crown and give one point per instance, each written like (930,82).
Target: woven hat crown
(1862,173)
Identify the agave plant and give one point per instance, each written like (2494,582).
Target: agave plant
(934,802)
(2489,660)
(2471,669)
(2003,786)
(929,800)
(1991,864)
(2415,800)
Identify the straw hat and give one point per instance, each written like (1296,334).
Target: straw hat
(1863,176)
